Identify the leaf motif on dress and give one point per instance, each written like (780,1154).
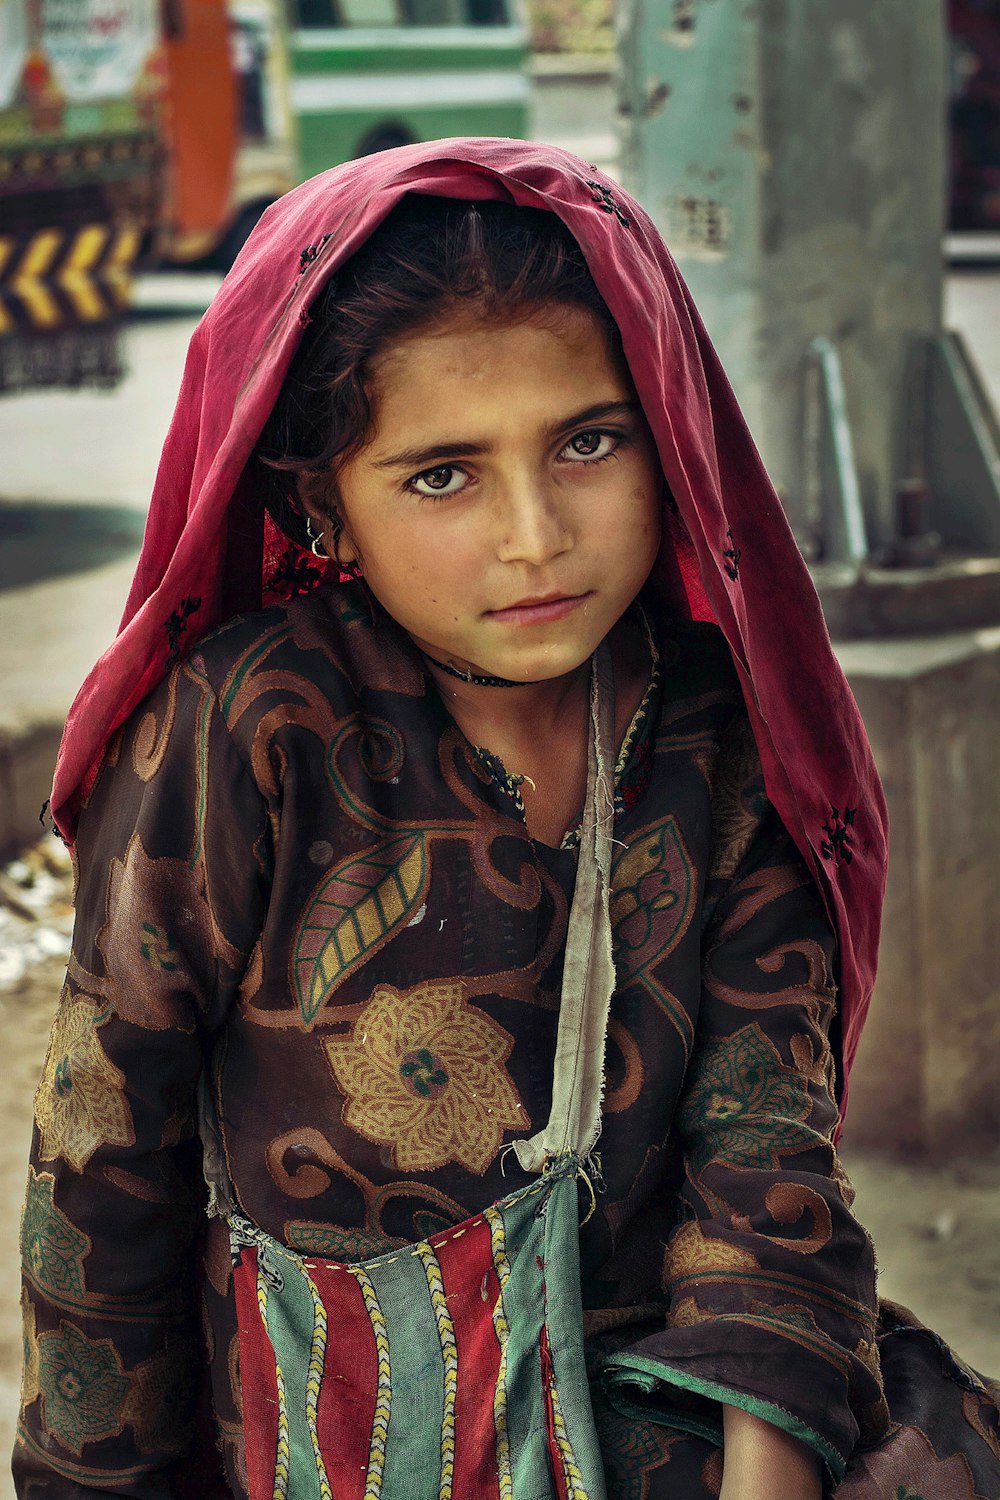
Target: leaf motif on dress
(652,891)
(692,1254)
(52,1248)
(354,910)
(30,1388)
(80,1103)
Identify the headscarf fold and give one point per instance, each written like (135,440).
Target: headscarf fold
(209,550)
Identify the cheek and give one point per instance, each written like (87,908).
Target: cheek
(646,507)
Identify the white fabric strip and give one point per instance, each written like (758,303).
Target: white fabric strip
(574,1123)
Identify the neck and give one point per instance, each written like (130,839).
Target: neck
(523,709)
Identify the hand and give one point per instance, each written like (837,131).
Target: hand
(761,1462)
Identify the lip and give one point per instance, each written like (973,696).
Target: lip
(540,610)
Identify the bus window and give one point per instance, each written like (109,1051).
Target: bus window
(321,14)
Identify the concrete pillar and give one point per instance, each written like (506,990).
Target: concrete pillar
(794,152)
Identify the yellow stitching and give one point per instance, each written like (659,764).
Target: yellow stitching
(502,1329)
(449,1351)
(282,1452)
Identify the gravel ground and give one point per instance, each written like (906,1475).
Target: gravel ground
(937,1230)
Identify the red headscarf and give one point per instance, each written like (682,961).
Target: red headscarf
(729,554)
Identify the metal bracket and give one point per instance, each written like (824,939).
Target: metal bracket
(962,449)
(830,477)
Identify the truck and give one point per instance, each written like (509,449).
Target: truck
(81,163)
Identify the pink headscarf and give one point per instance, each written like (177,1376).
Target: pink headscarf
(729,554)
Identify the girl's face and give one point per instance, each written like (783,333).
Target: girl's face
(506,509)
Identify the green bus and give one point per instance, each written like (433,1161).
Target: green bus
(370,74)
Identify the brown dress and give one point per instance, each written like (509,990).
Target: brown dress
(295,868)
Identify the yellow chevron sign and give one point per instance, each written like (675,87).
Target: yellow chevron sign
(58,278)
(28,280)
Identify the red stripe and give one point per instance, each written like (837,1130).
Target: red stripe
(258,1380)
(347,1392)
(472,1289)
(548,1386)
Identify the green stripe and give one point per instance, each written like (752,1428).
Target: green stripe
(524,1309)
(444,59)
(565,1325)
(413,1448)
(290,1325)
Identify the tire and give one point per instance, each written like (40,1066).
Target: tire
(384,138)
(235,237)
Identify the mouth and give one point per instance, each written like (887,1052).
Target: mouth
(538,610)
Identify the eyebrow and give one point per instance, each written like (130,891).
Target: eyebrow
(415,458)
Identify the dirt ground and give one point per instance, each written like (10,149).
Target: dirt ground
(937,1230)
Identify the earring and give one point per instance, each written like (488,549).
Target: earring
(315,539)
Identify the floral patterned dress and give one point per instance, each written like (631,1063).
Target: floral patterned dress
(296,871)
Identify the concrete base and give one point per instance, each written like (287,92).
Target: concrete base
(51,634)
(925,1079)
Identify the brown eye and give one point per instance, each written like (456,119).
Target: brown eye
(592,444)
(439,481)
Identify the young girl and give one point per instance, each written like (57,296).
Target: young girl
(454,423)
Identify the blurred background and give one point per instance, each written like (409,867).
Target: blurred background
(828,175)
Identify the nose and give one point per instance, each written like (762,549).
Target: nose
(532,524)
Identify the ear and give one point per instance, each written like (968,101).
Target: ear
(318,500)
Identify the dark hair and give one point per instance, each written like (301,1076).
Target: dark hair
(428,259)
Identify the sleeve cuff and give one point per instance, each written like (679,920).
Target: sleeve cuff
(687,1392)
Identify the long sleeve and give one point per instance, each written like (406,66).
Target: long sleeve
(771,1281)
(169,902)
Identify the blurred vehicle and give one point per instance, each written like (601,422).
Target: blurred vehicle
(369,74)
(261,94)
(974,27)
(80,182)
(228,124)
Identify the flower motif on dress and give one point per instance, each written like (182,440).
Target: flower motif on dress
(739,800)
(631,1449)
(80,1104)
(83,1387)
(423,1071)
(147,973)
(52,1248)
(159,1396)
(743,1106)
(691,1253)
(905,1467)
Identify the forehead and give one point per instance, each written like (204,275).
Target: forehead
(559,349)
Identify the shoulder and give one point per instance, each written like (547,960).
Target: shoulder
(336,641)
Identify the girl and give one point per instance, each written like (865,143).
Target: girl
(454,423)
